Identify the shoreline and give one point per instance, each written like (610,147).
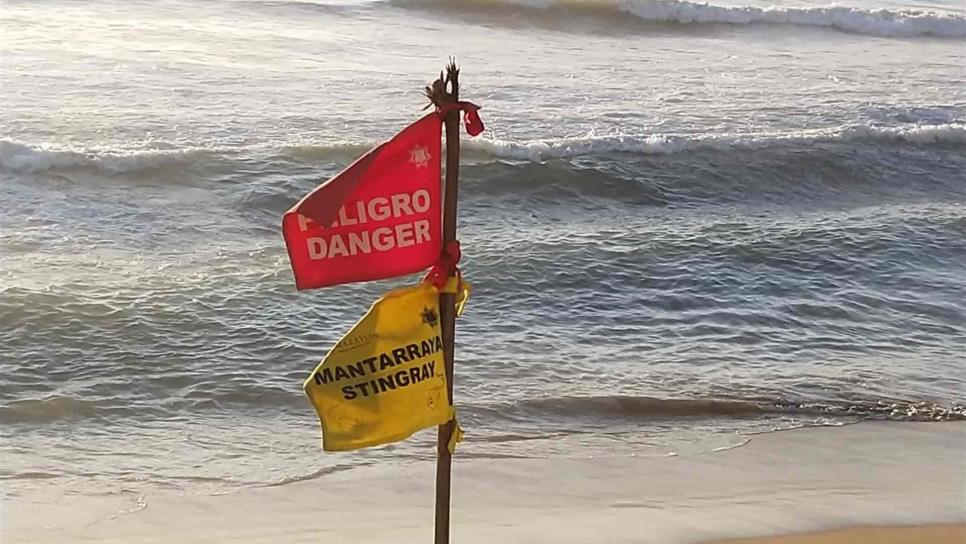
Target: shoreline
(809,480)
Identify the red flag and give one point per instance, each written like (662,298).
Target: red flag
(379,218)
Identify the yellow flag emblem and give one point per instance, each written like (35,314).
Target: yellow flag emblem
(386,378)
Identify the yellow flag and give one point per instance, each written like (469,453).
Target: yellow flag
(386,378)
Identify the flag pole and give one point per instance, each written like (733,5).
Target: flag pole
(439,94)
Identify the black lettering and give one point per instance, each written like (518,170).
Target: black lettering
(363,388)
(432,368)
(414,375)
(371,363)
(348,393)
(413,350)
(402,378)
(399,354)
(385,361)
(341,374)
(427,348)
(386,383)
(438,344)
(323,377)
(357,369)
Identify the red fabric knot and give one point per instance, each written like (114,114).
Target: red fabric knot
(446,267)
(471,117)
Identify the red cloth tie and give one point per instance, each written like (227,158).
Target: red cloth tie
(446,267)
(471,116)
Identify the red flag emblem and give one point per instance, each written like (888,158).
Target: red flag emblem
(379,218)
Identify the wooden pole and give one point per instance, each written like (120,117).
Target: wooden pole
(447,312)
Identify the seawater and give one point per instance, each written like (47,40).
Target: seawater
(685,224)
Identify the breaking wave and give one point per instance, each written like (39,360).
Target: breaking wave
(22,158)
(869,22)
(26,159)
(562,148)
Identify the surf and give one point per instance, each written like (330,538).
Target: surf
(867,22)
(26,158)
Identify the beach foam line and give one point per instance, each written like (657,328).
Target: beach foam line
(58,407)
(314,475)
(868,22)
(656,408)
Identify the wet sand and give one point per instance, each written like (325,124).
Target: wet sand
(806,480)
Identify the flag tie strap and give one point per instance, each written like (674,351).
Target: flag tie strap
(445,269)
(471,116)
(448,278)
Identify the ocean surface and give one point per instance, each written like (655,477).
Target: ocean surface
(686,224)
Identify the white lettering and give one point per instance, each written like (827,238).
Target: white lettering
(382,239)
(404,235)
(316,248)
(359,241)
(400,204)
(365,242)
(344,220)
(422,231)
(305,223)
(421,200)
(337,246)
(379,209)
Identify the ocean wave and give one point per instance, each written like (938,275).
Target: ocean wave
(20,158)
(53,408)
(649,407)
(818,167)
(251,396)
(869,22)
(564,148)
(327,151)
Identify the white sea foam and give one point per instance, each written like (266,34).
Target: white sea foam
(878,22)
(22,158)
(872,22)
(27,159)
(559,148)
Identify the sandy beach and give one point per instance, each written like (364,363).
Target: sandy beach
(792,482)
(936,534)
